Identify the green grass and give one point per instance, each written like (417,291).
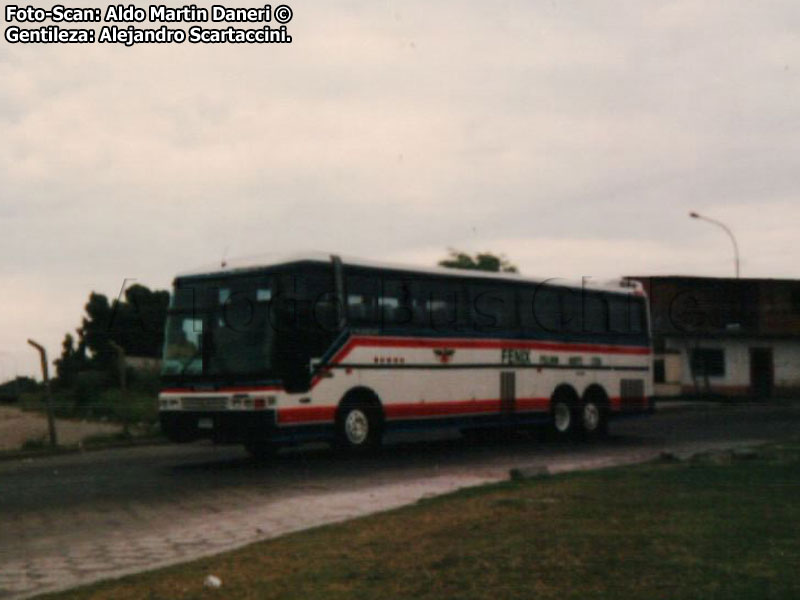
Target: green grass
(705,529)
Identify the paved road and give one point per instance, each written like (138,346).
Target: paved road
(73,519)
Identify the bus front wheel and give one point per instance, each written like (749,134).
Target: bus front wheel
(358,427)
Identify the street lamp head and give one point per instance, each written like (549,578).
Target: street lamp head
(725,228)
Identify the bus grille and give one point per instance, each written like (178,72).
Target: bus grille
(204,403)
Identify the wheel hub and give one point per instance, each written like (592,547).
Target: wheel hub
(563,417)
(356,426)
(591,416)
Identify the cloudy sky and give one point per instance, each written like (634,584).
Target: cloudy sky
(572,136)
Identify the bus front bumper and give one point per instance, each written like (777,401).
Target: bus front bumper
(224,427)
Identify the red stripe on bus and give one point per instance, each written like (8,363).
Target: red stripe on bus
(524,404)
(243,388)
(429,409)
(496,344)
(416,409)
(618,403)
(306,414)
(402,342)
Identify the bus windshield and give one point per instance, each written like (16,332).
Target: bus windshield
(219,328)
(183,345)
(239,339)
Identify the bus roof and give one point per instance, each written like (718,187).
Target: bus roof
(255,263)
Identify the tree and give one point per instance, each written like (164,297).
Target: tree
(95,332)
(11,389)
(135,322)
(72,360)
(483,261)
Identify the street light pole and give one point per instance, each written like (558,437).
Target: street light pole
(695,215)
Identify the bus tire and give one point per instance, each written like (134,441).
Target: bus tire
(359,426)
(593,421)
(564,414)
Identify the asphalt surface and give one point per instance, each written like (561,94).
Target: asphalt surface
(71,519)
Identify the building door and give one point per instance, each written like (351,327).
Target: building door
(761,372)
(508,393)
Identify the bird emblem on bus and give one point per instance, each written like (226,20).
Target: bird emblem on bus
(444,354)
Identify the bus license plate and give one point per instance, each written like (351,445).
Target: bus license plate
(205,423)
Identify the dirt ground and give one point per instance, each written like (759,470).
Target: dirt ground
(17,427)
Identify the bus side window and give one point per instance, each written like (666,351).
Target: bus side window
(638,321)
(440,305)
(627,315)
(571,310)
(362,301)
(618,314)
(492,308)
(395,304)
(595,312)
(309,308)
(539,309)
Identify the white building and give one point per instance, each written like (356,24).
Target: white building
(725,337)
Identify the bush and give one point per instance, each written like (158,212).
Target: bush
(144,381)
(129,407)
(63,403)
(95,395)
(32,401)
(89,385)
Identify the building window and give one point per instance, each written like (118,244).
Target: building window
(708,361)
(658,371)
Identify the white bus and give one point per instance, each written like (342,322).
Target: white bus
(316,347)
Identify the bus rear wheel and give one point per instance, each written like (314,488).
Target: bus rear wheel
(563,417)
(358,428)
(593,417)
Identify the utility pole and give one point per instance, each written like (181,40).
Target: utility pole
(51,423)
